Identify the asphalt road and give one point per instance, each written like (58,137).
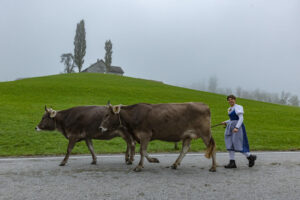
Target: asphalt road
(276,175)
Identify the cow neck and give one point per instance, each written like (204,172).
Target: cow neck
(123,117)
(57,121)
(120,121)
(60,123)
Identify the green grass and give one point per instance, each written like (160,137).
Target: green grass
(269,126)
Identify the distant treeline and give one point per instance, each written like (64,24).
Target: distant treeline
(284,98)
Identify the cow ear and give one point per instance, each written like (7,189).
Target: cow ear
(108,103)
(46,108)
(117,109)
(52,113)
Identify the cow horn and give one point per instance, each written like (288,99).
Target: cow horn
(48,109)
(108,103)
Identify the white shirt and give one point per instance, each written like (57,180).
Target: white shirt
(239,110)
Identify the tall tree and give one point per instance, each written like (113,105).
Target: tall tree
(68,60)
(79,45)
(108,54)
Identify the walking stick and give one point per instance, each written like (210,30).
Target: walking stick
(217,125)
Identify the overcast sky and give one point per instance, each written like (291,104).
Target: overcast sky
(247,43)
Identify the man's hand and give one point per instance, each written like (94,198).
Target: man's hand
(235,130)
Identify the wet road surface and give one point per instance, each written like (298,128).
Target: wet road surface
(276,175)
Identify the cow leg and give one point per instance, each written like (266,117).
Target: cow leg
(143,145)
(71,144)
(150,159)
(130,150)
(214,163)
(210,145)
(143,152)
(127,154)
(185,148)
(89,143)
(176,146)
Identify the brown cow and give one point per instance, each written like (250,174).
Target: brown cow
(167,122)
(82,123)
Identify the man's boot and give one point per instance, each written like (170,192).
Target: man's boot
(251,159)
(231,164)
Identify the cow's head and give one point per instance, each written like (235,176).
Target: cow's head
(48,120)
(112,118)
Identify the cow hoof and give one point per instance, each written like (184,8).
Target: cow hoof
(154,160)
(174,166)
(128,162)
(138,169)
(94,162)
(62,164)
(212,170)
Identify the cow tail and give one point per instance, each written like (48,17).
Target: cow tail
(211,148)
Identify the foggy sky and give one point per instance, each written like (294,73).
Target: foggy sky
(247,43)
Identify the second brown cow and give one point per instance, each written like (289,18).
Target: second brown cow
(168,122)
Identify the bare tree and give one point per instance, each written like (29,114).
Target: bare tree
(275,98)
(68,60)
(258,95)
(239,91)
(294,101)
(284,97)
(212,84)
(200,85)
(79,45)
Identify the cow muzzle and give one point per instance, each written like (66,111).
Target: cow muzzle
(37,128)
(103,129)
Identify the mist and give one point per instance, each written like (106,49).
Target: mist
(250,44)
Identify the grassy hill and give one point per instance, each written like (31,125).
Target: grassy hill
(269,126)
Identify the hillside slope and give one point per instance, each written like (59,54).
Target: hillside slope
(269,126)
